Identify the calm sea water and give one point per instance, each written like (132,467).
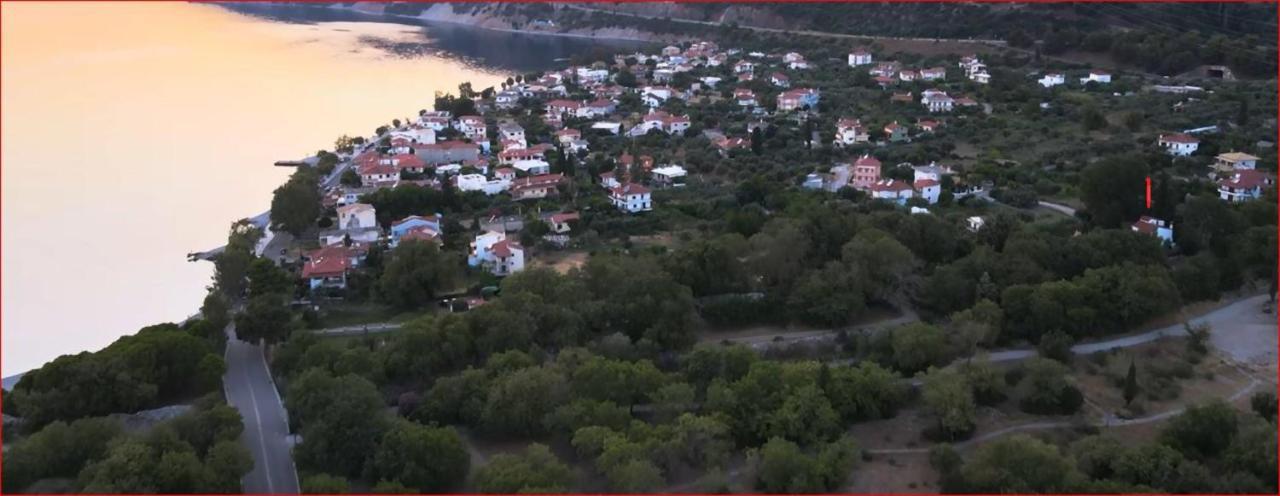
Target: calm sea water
(134,133)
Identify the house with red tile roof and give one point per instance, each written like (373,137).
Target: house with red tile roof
(492,251)
(1244,185)
(866,172)
(535,187)
(631,198)
(328,267)
(1152,226)
(560,222)
(892,190)
(851,132)
(1179,144)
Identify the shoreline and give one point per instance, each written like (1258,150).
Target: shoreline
(462,20)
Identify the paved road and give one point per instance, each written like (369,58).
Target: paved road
(250,389)
(1063,209)
(1224,321)
(357,330)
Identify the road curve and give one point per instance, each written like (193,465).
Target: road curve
(250,389)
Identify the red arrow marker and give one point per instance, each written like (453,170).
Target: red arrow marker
(1148,192)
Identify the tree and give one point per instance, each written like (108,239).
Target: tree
(518,402)
(950,401)
(232,265)
(1131,383)
(415,273)
(885,262)
(917,345)
(1112,190)
(1019,463)
(215,310)
(1202,431)
(1264,404)
(830,296)
(341,420)
(295,205)
(325,484)
(265,277)
(536,470)
(58,450)
(781,466)
(805,417)
(265,317)
(1093,119)
(1046,389)
(636,476)
(757,141)
(428,459)
(350,178)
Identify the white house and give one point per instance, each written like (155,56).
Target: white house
(669,175)
(936,101)
(859,57)
(1096,77)
(559,223)
(378,172)
(1234,161)
(472,125)
(711,81)
(850,132)
(1179,144)
(933,74)
(631,198)
(932,172)
(611,127)
(493,251)
(356,215)
(1052,79)
(929,189)
(416,134)
(1243,185)
(1154,227)
(477,182)
(797,99)
(511,131)
(532,167)
(975,223)
(892,190)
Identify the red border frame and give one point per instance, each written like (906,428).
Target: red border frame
(1148,185)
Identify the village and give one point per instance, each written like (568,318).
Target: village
(489,153)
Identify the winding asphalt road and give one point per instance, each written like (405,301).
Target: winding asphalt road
(250,389)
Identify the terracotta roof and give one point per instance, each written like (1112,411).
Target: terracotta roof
(890,185)
(630,189)
(504,248)
(409,161)
(868,161)
(1245,179)
(1178,138)
(1146,225)
(423,233)
(926,183)
(564,217)
(328,262)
